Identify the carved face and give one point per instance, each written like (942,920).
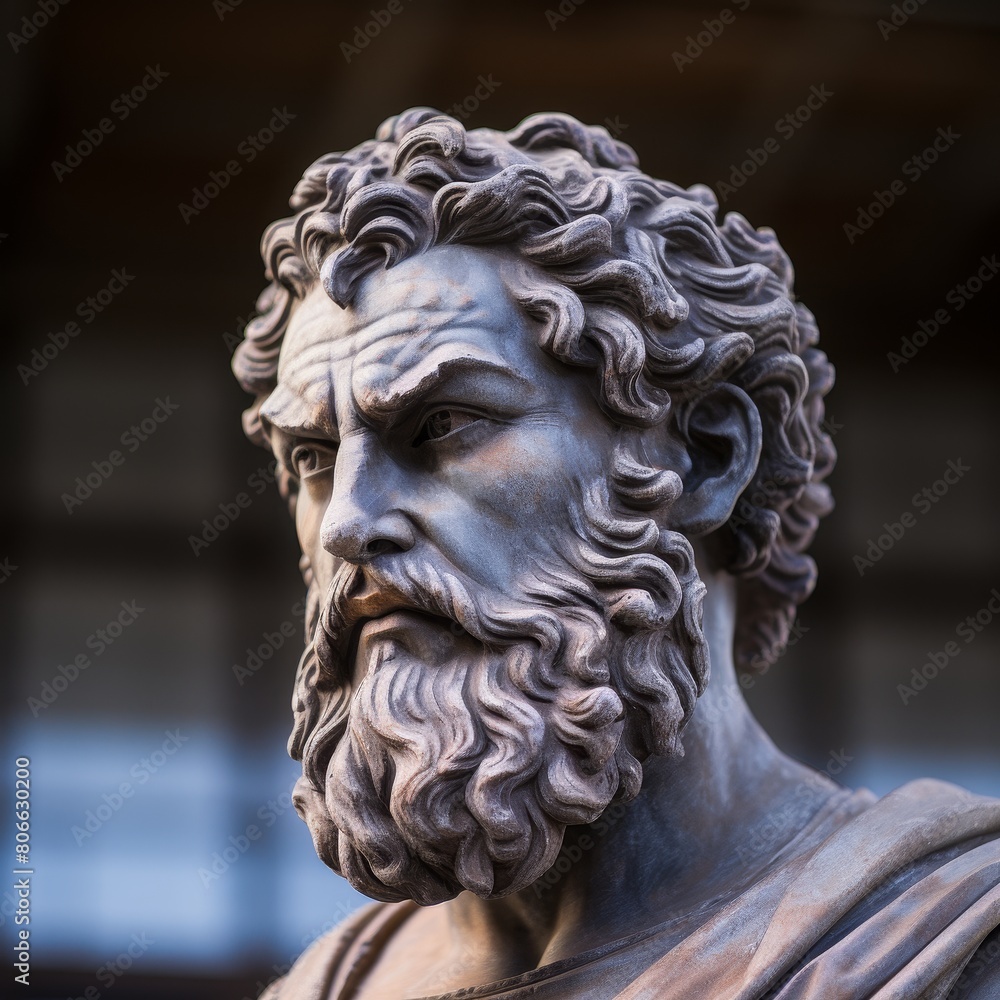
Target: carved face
(427,418)
(498,640)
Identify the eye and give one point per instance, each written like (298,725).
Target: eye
(311,458)
(441,423)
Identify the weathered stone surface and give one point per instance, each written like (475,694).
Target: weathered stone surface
(552,435)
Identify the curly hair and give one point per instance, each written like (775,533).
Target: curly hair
(643,286)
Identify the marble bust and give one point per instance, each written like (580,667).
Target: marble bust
(551,434)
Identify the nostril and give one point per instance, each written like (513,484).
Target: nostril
(379,547)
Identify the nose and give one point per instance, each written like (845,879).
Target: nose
(361,520)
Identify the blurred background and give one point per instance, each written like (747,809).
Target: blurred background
(148,676)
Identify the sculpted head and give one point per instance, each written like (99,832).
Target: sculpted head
(509,380)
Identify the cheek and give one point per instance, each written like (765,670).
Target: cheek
(512,499)
(310,507)
(538,468)
(514,477)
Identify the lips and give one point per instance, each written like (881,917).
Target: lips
(367,612)
(404,632)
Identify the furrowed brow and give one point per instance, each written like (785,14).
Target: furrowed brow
(296,416)
(386,402)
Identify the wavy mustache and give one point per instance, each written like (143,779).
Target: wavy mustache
(359,593)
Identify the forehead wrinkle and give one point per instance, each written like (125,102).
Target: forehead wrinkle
(304,396)
(381,390)
(315,321)
(401,327)
(403,351)
(397,322)
(443,295)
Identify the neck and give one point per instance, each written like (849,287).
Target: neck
(686,839)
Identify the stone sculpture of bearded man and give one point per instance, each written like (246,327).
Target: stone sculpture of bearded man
(552,438)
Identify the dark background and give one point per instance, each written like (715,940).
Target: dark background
(833,700)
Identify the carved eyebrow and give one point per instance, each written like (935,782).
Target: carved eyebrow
(386,402)
(292,415)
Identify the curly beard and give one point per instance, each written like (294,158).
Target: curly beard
(485,724)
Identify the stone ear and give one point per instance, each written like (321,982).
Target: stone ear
(720,432)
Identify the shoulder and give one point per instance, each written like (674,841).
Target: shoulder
(928,815)
(935,792)
(335,960)
(942,853)
(906,892)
